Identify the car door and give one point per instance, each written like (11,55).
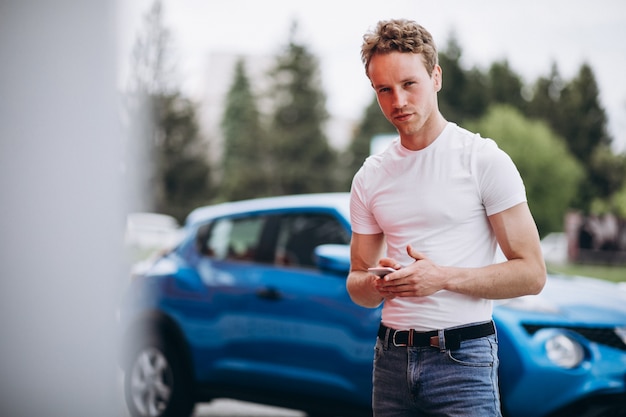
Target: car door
(308,333)
(273,319)
(222,323)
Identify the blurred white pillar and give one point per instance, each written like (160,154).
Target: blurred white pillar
(61,208)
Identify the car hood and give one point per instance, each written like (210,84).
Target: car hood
(575,299)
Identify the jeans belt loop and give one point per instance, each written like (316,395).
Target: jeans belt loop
(388,333)
(442,340)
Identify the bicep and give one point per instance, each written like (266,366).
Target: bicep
(365,250)
(516,232)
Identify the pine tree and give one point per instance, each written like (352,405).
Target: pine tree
(372,123)
(302,159)
(545,100)
(173,169)
(245,161)
(182,173)
(585,127)
(451,101)
(505,85)
(464,94)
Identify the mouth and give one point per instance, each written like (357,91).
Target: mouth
(403,117)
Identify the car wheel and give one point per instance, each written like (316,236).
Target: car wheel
(156,383)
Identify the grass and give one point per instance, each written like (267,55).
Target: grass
(609,273)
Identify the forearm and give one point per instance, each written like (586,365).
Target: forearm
(360,286)
(523,273)
(365,251)
(513,278)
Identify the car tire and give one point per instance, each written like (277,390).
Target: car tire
(156,381)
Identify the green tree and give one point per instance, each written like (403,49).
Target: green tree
(245,162)
(165,139)
(451,96)
(182,173)
(476,94)
(551,174)
(607,175)
(584,126)
(464,94)
(372,123)
(302,159)
(545,100)
(505,85)
(618,202)
(573,110)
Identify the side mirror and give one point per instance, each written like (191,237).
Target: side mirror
(333,258)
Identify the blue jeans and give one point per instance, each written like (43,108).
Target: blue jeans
(427,381)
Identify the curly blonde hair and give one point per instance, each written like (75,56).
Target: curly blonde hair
(399,35)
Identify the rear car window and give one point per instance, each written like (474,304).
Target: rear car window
(235,239)
(284,239)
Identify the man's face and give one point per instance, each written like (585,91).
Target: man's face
(406,93)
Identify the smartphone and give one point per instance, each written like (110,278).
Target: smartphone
(381,271)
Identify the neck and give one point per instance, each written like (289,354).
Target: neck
(426,135)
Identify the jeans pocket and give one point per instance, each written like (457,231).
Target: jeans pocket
(480,352)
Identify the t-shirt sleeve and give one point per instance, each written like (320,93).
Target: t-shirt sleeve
(499,181)
(361,218)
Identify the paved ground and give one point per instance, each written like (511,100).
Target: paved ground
(232,408)
(224,408)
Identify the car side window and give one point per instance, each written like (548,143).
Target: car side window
(235,239)
(300,234)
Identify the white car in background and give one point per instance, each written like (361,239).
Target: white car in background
(554,248)
(150,233)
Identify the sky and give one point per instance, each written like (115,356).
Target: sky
(530,34)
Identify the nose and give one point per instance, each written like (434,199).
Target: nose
(399,99)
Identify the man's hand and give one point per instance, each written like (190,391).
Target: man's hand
(419,279)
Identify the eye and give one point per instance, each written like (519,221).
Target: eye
(383,90)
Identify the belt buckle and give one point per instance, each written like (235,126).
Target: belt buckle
(409,341)
(393,340)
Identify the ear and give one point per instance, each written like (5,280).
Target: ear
(437,77)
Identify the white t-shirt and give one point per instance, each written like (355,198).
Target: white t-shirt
(437,199)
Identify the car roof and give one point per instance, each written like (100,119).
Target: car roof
(338,201)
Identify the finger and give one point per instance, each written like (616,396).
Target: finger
(388,262)
(414,254)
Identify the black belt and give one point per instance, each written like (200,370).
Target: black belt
(452,338)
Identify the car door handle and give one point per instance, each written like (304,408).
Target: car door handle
(269,293)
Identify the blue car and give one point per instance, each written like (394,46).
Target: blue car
(252,305)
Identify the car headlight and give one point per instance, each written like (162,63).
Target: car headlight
(564,351)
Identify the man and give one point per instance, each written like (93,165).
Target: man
(434,206)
